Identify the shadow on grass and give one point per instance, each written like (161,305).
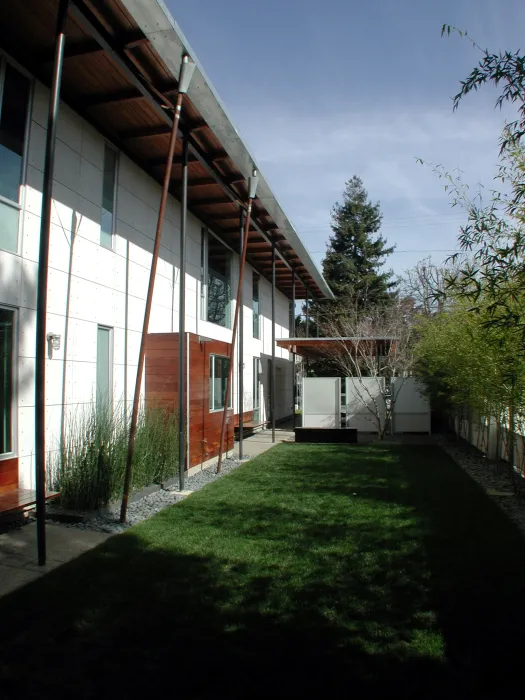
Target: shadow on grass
(279,581)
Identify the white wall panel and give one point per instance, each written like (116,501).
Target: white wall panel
(97,279)
(67,166)
(11,275)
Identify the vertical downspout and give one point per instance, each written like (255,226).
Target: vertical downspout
(43,263)
(186,72)
(241,356)
(272,397)
(182,314)
(252,188)
(292,333)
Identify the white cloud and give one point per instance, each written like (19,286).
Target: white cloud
(307,160)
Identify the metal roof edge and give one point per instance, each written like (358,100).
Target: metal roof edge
(164,34)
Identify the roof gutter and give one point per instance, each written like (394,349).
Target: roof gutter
(155,20)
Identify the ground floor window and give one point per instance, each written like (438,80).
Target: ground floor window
(7,322)
(219,367)
(104,365)
(256,389)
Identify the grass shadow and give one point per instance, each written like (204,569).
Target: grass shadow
(309,572)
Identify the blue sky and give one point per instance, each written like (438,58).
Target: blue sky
(321,91)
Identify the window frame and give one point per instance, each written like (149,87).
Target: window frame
(20,204)
(109,147)
(110,329)
(211,379)
(14,378)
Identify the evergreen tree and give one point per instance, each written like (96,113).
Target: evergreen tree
(356,252)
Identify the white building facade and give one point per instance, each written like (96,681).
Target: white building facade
(104,216)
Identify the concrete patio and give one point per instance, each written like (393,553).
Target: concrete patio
(18,556)
(262,441)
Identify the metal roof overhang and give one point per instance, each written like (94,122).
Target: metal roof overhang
(317,348)
(121,66)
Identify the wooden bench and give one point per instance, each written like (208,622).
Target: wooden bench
(248,428)
(19,499)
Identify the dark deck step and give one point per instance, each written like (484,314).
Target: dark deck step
(18,499)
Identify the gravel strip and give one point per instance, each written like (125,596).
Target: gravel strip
(488,477)
(146,507)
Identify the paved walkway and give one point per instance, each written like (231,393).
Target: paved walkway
(18,555)
(262,441)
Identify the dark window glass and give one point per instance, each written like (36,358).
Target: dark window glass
(219,292)
(13,111)
(6,380)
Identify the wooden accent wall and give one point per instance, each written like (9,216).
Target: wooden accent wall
(247,417)
(8,474)
(162,386)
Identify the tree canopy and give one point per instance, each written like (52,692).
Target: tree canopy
(356,251)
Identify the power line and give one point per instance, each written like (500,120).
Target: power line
(411,250)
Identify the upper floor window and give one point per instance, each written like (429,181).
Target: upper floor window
(14,101)
(255,304)
(216,281)
(109,195)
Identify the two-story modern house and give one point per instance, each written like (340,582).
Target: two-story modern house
(121,61)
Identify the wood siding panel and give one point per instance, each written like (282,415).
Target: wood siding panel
(162,386)
(8,474)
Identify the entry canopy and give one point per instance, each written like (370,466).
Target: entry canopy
(318,348)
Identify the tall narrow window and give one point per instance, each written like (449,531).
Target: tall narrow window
(14,100)
(107,216)
(255,304)
(104,365)
(219,283)
(218,377)
(204,274)
(7,319)
(256,390)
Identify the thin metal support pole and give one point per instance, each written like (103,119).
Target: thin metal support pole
(241,357)
(307,327)
(307,313)
(248,216)
(272,397)
(43,264)
(292,333)
(149,299)
(182,315)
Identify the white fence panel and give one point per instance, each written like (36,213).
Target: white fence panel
(321,402)
(411,407)
(362,396)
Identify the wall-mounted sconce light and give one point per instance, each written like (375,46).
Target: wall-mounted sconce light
(54,340)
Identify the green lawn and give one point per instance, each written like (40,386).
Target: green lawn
(312,571)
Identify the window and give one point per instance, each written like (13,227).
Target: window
(104,365)
(7,321)
(255,304)
(219,367)
(215,281)
(256,389)
(291,319)
(14,100)
(107,216)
